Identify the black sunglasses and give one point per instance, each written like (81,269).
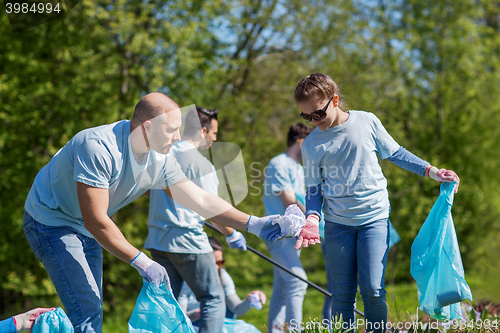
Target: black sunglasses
(316,115)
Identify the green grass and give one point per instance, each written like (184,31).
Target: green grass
(401,299)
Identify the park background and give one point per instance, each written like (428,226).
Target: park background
(428,69)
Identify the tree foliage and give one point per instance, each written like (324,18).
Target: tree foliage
(428,69)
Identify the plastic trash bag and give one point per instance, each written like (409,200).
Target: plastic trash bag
(393,235)
(157,311)
(436,263)
(53,322)
(238,326)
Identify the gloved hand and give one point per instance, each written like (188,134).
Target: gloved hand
(237,241)
(443,176)
(151,270)
(310,232)
(256,298)
(263,227)
(25,321)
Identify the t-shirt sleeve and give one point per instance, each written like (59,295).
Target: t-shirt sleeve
(385,144)
(227,283)
(93,164)
(172,172)
(8,326)
(312,170)
(210,183)
(279,177)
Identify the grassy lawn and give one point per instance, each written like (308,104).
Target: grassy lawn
(401,298)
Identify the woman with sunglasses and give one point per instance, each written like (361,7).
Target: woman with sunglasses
(344,179)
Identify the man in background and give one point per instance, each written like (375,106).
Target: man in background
(284,186)
(176,237)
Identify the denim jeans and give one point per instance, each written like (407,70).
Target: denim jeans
(201,275)
(360,252)
(288,291)
(74,264)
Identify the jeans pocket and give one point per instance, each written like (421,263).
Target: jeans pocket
(31,233)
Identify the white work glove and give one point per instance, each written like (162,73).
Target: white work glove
(151,270)
(443,176)
(25,321)
(256,298)
(275,227)
(263,227)
(237,241)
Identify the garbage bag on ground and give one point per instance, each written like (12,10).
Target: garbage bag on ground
(436,263)
(238,326)
(157,311)
(53,322)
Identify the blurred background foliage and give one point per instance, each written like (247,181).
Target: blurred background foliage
(428,69)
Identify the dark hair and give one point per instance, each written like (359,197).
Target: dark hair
(202,116)
(215,244)
(318,86)
(297,131)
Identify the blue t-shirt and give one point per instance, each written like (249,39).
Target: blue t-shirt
(282,174)
(99,157)
(173,227)
(343,159)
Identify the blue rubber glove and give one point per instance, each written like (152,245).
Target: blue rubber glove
(237,241)
(151,270)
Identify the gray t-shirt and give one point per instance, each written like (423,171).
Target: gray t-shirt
(343,159)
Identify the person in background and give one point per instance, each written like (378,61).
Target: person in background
(23,321)
(284,186)
(176,238)
(235,307)
(344,180)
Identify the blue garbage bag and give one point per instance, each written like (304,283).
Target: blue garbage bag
(53,322)
(156,310)
(436,263)
(393,235)
(238,326)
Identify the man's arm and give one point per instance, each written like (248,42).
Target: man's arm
(208,205)
(288,197)
(226,231)
(94,206)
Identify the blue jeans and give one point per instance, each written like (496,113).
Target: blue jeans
(74,264)
(360,252)
(201,275)
(288,291)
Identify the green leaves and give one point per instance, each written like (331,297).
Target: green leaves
(428,69)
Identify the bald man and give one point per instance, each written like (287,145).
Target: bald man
(100,170)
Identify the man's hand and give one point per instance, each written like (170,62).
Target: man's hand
(263,227)
(237,241)
(310,233)
(25,321)
(443,176)
(151,270)
(262,296)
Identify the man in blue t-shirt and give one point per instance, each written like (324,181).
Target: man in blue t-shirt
(176,237)
(284,186)
(100,170)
